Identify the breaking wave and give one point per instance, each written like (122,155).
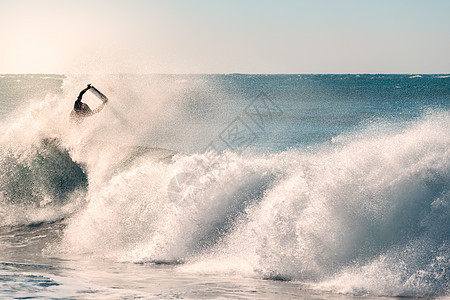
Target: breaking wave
(365,214)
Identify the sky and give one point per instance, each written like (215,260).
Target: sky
(246,36)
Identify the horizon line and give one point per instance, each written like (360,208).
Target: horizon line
(237,73)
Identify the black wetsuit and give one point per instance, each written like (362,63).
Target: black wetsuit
(81,109)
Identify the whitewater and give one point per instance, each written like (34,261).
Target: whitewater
(226,186)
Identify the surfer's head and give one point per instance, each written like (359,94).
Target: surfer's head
(80,106)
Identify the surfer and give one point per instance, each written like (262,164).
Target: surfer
(82,110)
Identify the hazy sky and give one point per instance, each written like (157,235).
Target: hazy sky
(233,36)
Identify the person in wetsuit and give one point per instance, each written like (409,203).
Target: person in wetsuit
(82,110)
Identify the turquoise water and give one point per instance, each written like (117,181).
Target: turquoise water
(225,186)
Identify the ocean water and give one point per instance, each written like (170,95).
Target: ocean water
(226,186)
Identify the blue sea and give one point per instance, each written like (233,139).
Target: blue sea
(227,186)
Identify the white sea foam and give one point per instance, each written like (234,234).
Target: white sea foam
(369,215)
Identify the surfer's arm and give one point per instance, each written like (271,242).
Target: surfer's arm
(83,91)
(98,109)
(98,94)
